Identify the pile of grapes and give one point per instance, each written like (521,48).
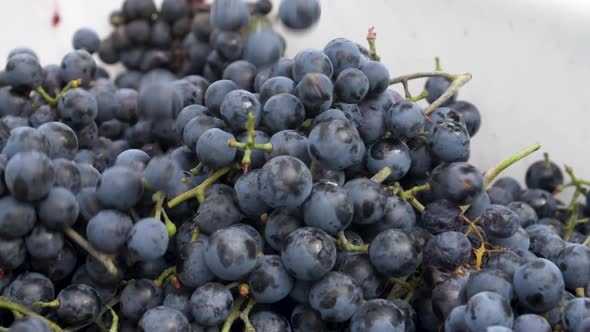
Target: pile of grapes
(215,185)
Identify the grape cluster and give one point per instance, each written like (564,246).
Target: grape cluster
(215,185)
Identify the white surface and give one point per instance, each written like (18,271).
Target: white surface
(529,58)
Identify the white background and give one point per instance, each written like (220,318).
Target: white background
(530,59)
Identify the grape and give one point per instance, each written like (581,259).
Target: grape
(196,126)
(336,297)
(269,282)
(520,239)
(211,304)
(394,261)
(23,72)
(67,174)
(436,86)
(449,141)
(459,182)
(29,287)
(133,9)
(351,86)
(311,61)
(447,251)
(500,221)
(230,253)
(108,230)
(148,239)
(368,200)
(16,218)
(134,159)
(377,315)
(335,145)
(12,253)
(405,119)
(343,54)
(279,224)
(267,321)
(544,175)
(29,175)
(546,244)
(378,76)
(538,285)
(455,321)
(289,142)
(29,324)
(491,280)
(263,47)
(574,263)
(191,268)
(25,139)
(230,45)
(541,201)
(329,207)
(119,187)
(358,266)
(231,15)
(217,212)
(299,14)
(487,309)
(306,319)
(308,253)
(138,297)
(283,111)
(248,195)
(392,153)
(525,212)
(574,313)
(78,64)
(531,322)
(78,107)
(441,216)
(315,92)
(163,319)
(44,243)
(78,304)
(284,181)
(447,294)
(442,114)
(470,115)
(399,214)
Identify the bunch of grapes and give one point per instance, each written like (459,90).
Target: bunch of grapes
(216,185)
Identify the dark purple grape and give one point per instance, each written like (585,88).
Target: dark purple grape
(248,198)
(441,216)
(311,61)
(12,253)
(119,187)
(148,239)
(16,218)
(23,72)
(78,107)
(217,212)
(30,287)
(211,304)
(216,93)
(544,174)
(283,111)
(269,281)
(108,230)
(541,201)
(306,319)
(284,181)
(447,251)
(279,224)
(76,65)
(448,294)
(470,115)
(574,263)
(351,86)
(315,91)
(191,268)
(491,280)
(138,297)
(29,175)
(343,54)
(336,297)
(538,285)
(269,321)
(163,319)
(405,119)
(299,14)
(263,48)
(436,86)
(574,313)
(392,153)
(230,253)
(329,207)
(500,221)
(44,243)
(449,141)
(78,304)
(308,253)
(461,183)
(378,76)
(335,145)
(29,324)
(229,15)
(358,266)
(397,260)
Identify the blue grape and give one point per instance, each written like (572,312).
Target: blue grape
(24,139)
(133,158)
(279,224)
(44,243)
(29,324)
(351,86)
(525,212)
(372,124)
(120,188)
(284,181)
(405,119)
(336,297)
(329,207)
(447,294)
(248,195)
(449,141)
(531,322)
(455,321)
(574,312)
(191,268)
(16,218)
(377,315)
(378,76)
(138,297)
(229,44)
(230,253)
(487,309)
(78,107)
(538,285)
(231,15)
(306,319)
(163,319)
(311,61)
(29,175)
(282,112)
(263,48)
(78,304)
(541,201)
(12,253)
(500,221)
(290,143)
(148,239)
(28,288)
(315,91)
(470,114)
(308,253)
(23,72)
(216,92)
(510,184)
(461,183)
(274,86)
(441,216)
(242,73)
(237,105)
(257,157)
(108,230)
(195,127)
(78,64)
(343,54)
(358,266)
(62,140)
(436,86)
(442,114)
(217,212)
(574,263)
(491,280)
(395,261)
(211,304)
(421,159)
(299,14)
(392,153)
(268,321)
(269,281)
(213,149)
(447,251)
(520,239)
(335,145)
(507,262)
(544,175)
(368,200)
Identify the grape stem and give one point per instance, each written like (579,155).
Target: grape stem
(244,289)
(104,259)
(160,212)
(491,174)
(457,81)
(197,169)
(580,292)
(245,316)
(371,37)
(167,273)
(52,101)
(250,143)
(114,321)
(382,175)
(233,315)
(346,245)
(587,242)
(195,234)
(410,194)
(419,97)
(198,192)
(5,303)
(573,207)
(40,304)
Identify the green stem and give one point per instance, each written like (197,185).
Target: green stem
(197,169)
(71,85)
(586,242)
(546,161)
(40,304)
(346,245)
(235,144)
(409,195)
(580,292)
(382,175)
(402,282)
(371,37)
(195,234)
(437,65)
(419,97)
(51,101)
(114,321)
(266,147)
(306,124)
(104,259)
(232,285)
(245,316)
(233,315)
(170,226)
(4,329)
(158,198)
(313,168)
(199,191)
(5,303)
(159,281)
(494,172)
